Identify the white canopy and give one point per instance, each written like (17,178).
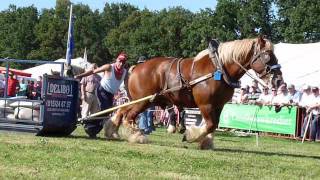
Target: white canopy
(300,64)
(46,68)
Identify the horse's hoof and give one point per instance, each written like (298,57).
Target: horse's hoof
(206,144)
(182,130)
(138,138)
(171,129)
(184,138)
(114,136)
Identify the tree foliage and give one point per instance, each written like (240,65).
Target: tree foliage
(27,33)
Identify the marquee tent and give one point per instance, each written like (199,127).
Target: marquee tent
(46,68)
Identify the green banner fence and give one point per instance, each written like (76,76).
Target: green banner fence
(259,118)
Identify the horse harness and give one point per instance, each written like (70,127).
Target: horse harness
(184,83)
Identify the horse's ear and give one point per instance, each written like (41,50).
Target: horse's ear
(261,40)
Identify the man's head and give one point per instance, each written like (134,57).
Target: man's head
(306,89)
(243,90)
(11,75)
(121,60)
(291,89)
(265,90)
(274,91)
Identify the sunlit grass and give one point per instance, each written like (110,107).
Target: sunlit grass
(25,156)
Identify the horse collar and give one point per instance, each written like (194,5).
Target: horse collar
(220,70)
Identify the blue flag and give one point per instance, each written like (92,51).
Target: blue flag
(70,43)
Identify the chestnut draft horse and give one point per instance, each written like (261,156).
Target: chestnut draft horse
(183,82)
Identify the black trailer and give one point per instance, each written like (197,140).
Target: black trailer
(57,106)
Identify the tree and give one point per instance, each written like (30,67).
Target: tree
(51,32)
(226,16)
(197,33)
(254,18)
(298,20)
(17,32)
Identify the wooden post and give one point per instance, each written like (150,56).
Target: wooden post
(307,126)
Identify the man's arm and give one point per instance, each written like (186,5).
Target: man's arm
(313,107)
(106,67)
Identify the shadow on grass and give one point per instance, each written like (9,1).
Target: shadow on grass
(266,153)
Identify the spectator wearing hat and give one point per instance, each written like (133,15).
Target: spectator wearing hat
(294,95)
(113,75)
(306,97)
(265,98)
(282,97)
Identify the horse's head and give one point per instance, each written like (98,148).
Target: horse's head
(265,63)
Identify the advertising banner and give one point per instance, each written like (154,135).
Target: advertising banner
(60,104)
(259,118)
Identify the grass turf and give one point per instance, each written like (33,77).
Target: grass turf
(25,156)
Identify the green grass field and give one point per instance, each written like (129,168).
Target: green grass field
(25,156)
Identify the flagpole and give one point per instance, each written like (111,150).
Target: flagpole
(69,45)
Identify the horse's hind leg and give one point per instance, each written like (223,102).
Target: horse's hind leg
(202,134)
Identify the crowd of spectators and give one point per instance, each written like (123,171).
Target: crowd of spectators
(308,98)
(22,87)
(282,96)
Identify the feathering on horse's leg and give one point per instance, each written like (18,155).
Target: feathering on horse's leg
(111,126)
(202,134)
(207,141)
(129,130)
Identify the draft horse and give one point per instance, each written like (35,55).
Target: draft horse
(181,82)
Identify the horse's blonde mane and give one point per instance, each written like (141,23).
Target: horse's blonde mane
(237,50)
(201,54)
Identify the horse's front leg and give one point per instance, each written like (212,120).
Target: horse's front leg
(204,134)
(111,126)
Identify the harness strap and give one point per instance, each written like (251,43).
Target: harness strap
(216,61)
(167,75)
(183,82)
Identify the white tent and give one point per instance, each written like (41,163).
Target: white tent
(300,64)
(46,68)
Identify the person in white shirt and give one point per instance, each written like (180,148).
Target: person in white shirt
(265,98)
(314,109)
(282,97)
(294,95)
(273,95)
(306,97)
(242,97)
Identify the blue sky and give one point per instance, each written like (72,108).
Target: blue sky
(193,5)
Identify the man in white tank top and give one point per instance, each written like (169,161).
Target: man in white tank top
(113,75)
